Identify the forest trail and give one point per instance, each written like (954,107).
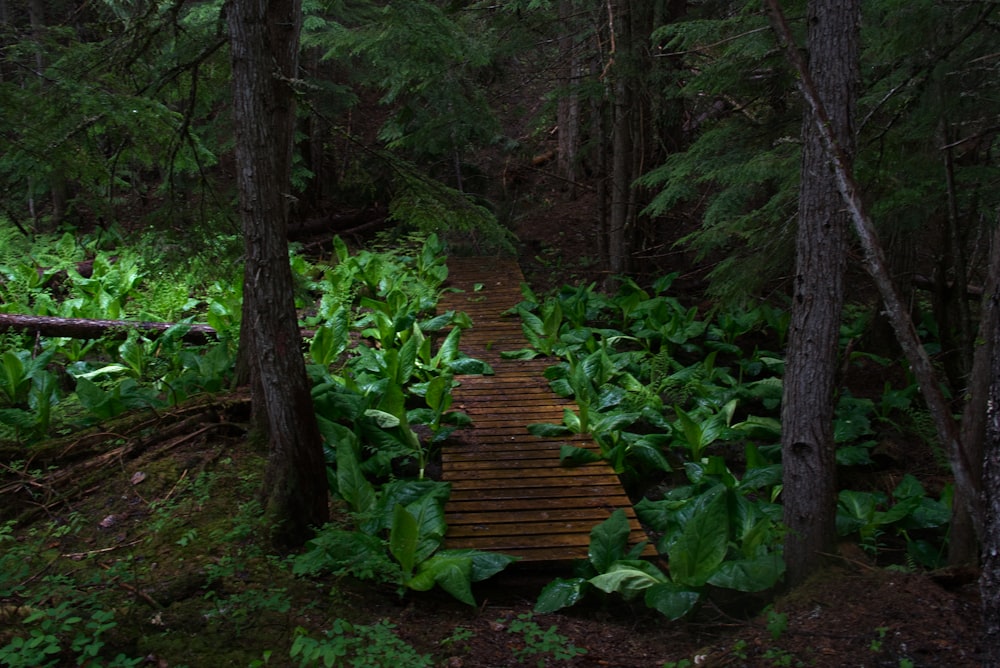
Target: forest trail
(510,493)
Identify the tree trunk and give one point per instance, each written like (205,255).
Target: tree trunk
(264,38)
(963,541)
(989,579)
(621,140)
(808,451)
(568,109)
(57,178)
(966,484)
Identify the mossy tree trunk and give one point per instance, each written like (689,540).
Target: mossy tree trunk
(264,37)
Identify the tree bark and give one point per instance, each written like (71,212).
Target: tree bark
(808,450)
(963,541)
(264,38)
(966,486)
(989,579)
(568,109)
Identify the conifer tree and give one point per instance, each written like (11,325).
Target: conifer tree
(264,43)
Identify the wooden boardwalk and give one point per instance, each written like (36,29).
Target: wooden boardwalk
(509,492)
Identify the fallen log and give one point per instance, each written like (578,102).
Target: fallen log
(83,328)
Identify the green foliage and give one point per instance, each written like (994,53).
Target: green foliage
(55,624)
(120,92)
(541,645)
(919,520)
(29,393)
(397,539)
(743,155)
(366,416)
(628,357)
(430,207)
(426,60)
(357,645)
(698,549)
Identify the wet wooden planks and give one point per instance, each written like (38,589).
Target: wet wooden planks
(509,491)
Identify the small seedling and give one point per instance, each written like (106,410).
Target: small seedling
(541,644)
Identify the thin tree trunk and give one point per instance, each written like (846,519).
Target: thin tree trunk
(621,140)
(989,579)
(568,110)
(808,450)
(963,543)
(264,45)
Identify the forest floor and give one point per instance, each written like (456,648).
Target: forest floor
(165,530)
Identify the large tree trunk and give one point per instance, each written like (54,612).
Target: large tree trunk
(264,42)
(966,484)
(808,453)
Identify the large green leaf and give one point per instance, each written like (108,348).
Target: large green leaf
(449,348)
(382,418)
(573,421)
(522,354)
(609,541)
(406,493)
(407,360)
(560,593)
(855,510)
(649,455)
(484,564)
(451,573)
(335,549)
(701,547)
(671,600)
(572,455)
(629,579)
(335,402)
(324,347)
(13,381)
(352,485)
(469,366)
(548,429)
(93,398)
(403,538)
(438,394)
(750,574)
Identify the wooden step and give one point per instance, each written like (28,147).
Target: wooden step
(510,493)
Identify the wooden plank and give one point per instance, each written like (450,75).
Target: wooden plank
(510,492)
(593,515)
(517,509)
